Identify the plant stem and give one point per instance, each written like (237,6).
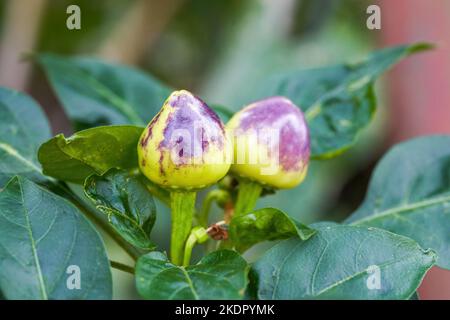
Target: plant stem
(212,196)
(198,235)
(248,193)
(190,243)
(182,205)
(122,267)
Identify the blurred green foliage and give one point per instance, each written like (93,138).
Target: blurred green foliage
(223,50)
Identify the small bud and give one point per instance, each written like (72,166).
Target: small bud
(271,143)
(185,144)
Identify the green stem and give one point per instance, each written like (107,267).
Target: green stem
(212,196)
(248,193)
(122,267)
(198,235)
(182,204)
(190,243)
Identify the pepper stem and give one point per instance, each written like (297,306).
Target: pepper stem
(182,204)
(198,235)
(248,193)
(214,195)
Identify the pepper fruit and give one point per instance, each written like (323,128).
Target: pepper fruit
(185,145)
(275,133)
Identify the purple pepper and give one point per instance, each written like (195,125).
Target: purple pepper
(271,142)
(185,144)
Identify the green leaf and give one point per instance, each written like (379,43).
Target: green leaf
(41,235)
(338,262)
(96,93)
(23,127)
(127,203)
(266,224)
(409,194)
(219,275)
(92,151)
(338,101)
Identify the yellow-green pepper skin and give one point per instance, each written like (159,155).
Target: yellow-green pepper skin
(275,130)
(185,145)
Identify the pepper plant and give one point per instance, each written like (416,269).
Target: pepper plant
(140,145)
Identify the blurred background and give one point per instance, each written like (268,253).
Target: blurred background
(223,49)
